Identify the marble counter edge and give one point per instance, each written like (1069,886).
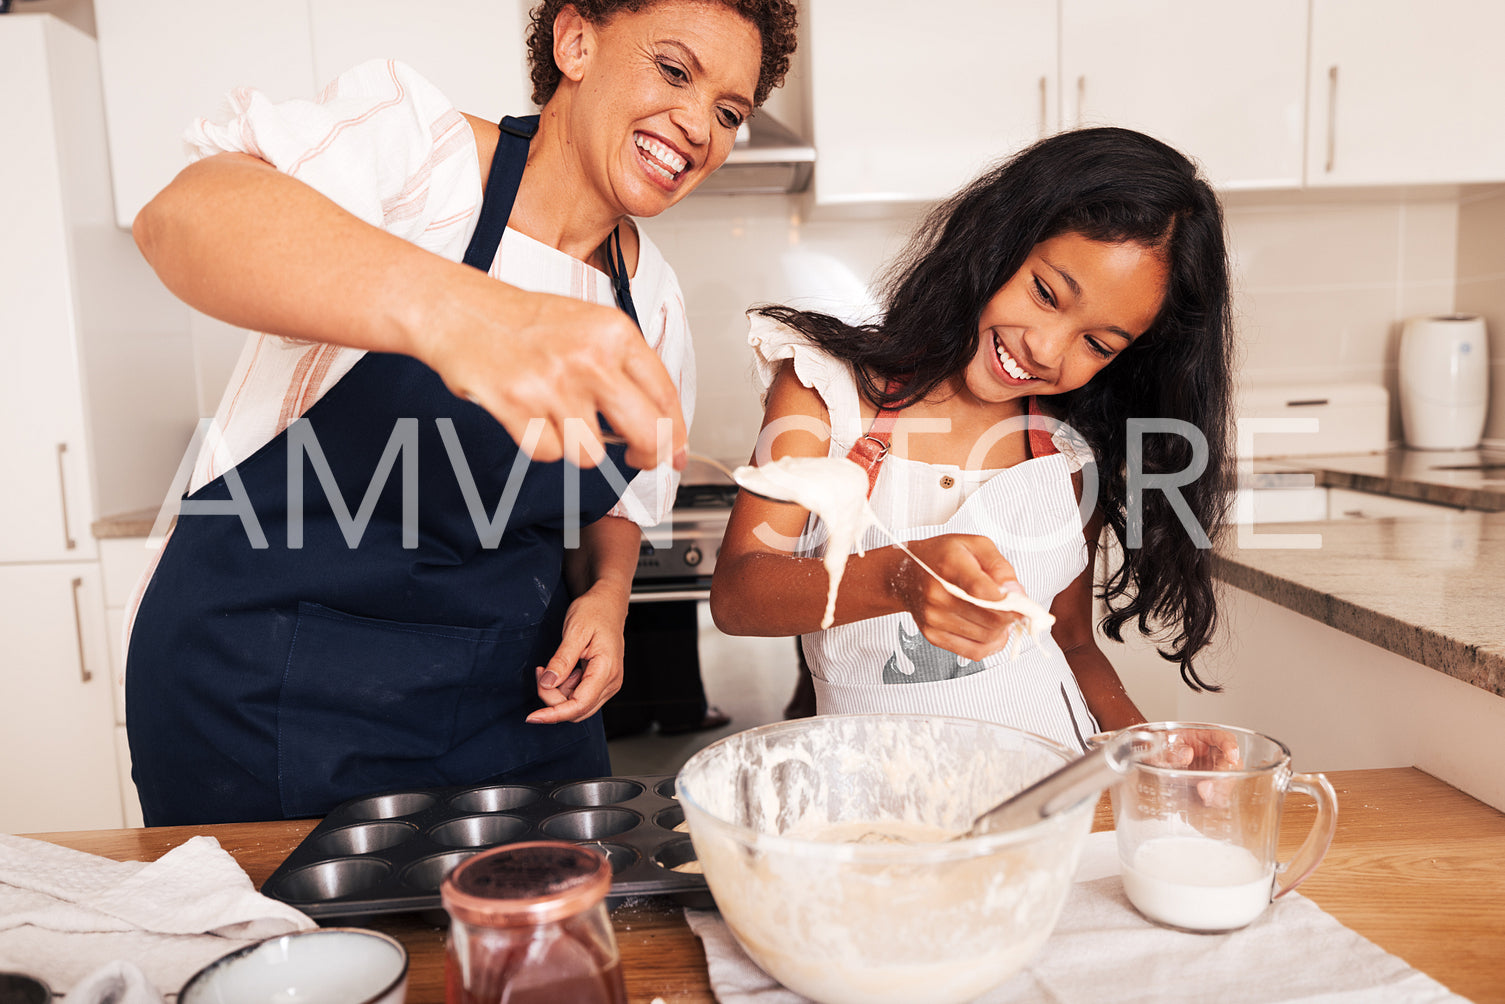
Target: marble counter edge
(126,524)
(1457,496)
(1454,657)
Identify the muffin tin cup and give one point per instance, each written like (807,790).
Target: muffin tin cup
(389,853)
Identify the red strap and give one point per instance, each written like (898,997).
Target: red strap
(1040,442)
(870,450)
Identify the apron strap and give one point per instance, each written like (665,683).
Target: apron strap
(507,163)
(869,451)
(502,181)
(1040,442)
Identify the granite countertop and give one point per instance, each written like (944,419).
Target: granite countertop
(1467,479)
(1424,587)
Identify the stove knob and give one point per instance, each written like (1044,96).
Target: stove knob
(692,555)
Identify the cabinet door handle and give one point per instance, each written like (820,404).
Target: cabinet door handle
(62,491)
(78,625)
(1081,98)
(1332,116)
(1043,111)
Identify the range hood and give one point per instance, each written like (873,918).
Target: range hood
(767,159)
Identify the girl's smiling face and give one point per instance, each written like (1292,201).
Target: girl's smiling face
(1073,306)
(662,93)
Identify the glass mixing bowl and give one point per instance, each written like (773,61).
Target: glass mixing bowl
(880,919)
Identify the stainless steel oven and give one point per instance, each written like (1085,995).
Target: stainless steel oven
(681,569)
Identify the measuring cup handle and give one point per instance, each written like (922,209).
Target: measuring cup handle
(1291,874)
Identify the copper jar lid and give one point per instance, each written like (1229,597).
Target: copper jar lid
(523,884)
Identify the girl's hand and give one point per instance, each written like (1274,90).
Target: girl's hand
(974,564)
(587,668)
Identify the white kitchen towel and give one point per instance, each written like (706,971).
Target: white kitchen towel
(1102,949)
(64,913)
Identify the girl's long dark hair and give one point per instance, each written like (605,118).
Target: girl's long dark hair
(1110,185)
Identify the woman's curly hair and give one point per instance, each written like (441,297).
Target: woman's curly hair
(777,22)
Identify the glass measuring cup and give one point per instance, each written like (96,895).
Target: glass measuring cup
(1198,826)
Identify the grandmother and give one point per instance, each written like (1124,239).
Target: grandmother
(373,580)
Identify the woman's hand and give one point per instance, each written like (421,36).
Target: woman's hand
(587,668)
(975,564)
(545,365)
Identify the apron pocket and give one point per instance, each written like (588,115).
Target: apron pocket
(370,705)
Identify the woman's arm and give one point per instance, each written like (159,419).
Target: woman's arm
(587,668)
(761,588)
(240,241)
(1101,687)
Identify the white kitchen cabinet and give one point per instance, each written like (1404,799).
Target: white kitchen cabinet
(1402,92)
(1223,83)
(909,108)
(45,509)
(165,63)
(472,50)
(57,751)
(96,400)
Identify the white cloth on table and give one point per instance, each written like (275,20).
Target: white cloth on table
(1102,949)
(64,914)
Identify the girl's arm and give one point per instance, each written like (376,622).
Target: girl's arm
(599,575)
(243,242)
(761,588)
(1099,682)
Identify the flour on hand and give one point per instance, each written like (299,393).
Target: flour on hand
(835,489)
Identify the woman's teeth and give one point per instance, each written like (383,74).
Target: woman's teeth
(1011,367)
(660,157)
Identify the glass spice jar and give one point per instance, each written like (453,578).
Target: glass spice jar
(528,925)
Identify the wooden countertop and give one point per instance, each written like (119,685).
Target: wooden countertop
(1417,867)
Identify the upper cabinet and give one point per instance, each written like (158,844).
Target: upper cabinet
(1402,92)
(472,50)
(1223,83)
(165,63)
(909,103)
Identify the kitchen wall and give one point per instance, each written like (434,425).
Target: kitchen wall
(1481,287)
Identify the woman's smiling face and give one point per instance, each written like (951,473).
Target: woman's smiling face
(1071,309)
(662,93)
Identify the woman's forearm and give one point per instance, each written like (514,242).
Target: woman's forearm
(606,559)
(237,239)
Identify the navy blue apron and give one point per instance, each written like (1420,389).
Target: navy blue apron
(276,682)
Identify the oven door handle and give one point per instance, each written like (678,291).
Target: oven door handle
(648,596)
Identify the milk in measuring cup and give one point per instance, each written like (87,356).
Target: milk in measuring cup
(1197,883)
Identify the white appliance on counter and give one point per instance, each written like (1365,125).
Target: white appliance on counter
(1444,381)
(1302,420)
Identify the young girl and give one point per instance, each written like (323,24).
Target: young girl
(1035,323)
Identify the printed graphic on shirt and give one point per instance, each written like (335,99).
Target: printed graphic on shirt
(929,663)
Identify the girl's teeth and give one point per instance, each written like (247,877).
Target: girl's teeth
(1011,367)
(660,157)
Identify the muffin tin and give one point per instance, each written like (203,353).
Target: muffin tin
(389,853)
